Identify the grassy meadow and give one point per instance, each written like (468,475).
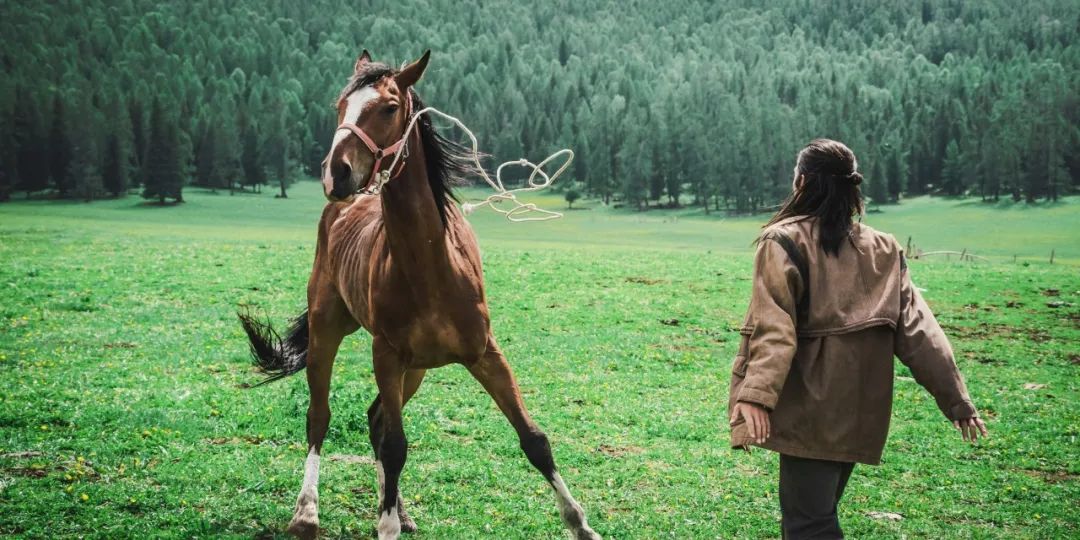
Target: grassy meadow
(124,411)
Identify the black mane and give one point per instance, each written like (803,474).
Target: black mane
(448,163)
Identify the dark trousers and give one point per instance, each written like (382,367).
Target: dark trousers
(809,492)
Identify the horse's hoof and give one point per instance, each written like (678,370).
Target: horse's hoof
(407,524)
(305,530)
(586,533)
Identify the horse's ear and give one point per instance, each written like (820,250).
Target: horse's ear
(412,72)
(364,59)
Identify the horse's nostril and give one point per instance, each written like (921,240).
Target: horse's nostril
(340,172)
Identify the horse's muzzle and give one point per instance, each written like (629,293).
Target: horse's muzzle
(338,181)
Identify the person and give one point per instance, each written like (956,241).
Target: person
(832,302)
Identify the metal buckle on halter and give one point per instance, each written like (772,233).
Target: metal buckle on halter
(381,178)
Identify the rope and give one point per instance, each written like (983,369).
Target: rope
(504,201)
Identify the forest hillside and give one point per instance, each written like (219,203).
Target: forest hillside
(675,102)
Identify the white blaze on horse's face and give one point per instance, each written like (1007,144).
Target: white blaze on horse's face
(354,107)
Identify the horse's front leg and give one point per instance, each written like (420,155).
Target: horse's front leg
(493,372)
(413,378)
(327,326)
(391,446)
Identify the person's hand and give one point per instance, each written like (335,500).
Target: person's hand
(757,420)
(970,428)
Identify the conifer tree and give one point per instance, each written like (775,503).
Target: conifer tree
(84,169)
(32,155)
(113,170)
(60,148)
(8,160)
(205,157)
(952,176)
(253,174)
(164,166)
(274,150)
(139,143)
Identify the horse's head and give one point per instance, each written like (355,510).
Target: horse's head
(373,111)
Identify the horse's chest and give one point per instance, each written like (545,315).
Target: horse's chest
(436,340)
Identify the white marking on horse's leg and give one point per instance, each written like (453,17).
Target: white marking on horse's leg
(406,523)
(389,524)
(571,512)
(306,516)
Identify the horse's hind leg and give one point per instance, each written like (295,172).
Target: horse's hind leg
(493,371)
(413,378)
(328,324)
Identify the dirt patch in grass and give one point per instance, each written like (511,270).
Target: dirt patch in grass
(351,459)
(678,347)
(28,472)
(33,470)
(982,359)
(21,455)
(645,281)
(243,439)
(716,336)
(984,331)
(1051,477)
(74,469)
(619,451)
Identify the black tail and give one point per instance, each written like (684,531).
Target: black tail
(276,357)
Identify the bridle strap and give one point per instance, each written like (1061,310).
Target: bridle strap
(380,153)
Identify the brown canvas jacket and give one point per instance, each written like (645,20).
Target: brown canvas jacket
(818,352)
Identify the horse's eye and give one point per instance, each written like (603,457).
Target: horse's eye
(391,109)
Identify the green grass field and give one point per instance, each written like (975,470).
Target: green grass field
(123,411)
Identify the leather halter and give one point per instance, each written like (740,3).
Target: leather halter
(377,179)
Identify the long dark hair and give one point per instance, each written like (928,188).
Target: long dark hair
(828,190)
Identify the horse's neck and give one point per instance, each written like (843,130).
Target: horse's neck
(415,233)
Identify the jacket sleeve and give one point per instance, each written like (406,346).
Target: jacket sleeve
(771,324)
(921,345)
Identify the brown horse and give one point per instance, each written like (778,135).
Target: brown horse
(401,262)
